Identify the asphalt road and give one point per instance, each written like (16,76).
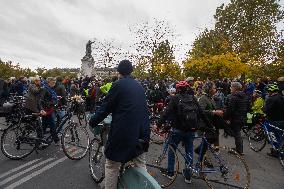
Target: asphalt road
(50,169)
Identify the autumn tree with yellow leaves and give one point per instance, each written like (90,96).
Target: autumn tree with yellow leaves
(215,66)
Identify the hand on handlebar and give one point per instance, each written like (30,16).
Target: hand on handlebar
(43,113)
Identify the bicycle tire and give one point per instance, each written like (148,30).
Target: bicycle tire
(75,141)
(156,166)
(154,135)
(24,132)
(281,153)
(257,136)
(223,166)
(97,161)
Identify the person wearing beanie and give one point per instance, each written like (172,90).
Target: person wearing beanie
(125,67)
(126,101)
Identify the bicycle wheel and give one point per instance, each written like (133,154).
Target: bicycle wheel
(75,141)
(97,161)
(257,138)
(18,142)
(281,153)
(155,136)
(157,165)
(224,167)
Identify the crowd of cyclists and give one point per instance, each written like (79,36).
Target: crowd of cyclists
(225,103)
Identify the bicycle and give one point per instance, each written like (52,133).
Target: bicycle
(219,166)
(265,133)
(75,137)
(157,136)
(129,176)
(27,136)
(11,111)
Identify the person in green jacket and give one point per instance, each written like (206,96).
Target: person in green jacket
(256,108)
(258,103)
(105,88)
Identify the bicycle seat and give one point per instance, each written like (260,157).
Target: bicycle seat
(138,178)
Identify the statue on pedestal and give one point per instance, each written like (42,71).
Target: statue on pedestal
(88,56)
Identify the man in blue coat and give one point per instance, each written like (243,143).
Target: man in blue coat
(126,101)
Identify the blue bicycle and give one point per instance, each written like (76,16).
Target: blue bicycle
(216,166)
(267,132)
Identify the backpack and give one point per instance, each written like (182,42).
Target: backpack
(187,112)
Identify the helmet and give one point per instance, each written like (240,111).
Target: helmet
(182,84)
(172,90)
(248,80)
(272,88)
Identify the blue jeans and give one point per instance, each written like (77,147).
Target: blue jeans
(176,137)
(61,114)
(50,121)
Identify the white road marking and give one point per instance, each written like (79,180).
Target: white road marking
(34,174)
(24,171)
(18,168)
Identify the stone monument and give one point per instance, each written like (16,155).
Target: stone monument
(88,67)
(87,64)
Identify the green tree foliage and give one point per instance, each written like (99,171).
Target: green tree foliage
(251,27)
(8,69)
(141,69)
(245,27)
(163,63)
(57,72)
(209,42)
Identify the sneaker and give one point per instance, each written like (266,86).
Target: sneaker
(165,173)
(43,145)
(187,179)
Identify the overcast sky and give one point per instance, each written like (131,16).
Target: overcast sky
(53,33)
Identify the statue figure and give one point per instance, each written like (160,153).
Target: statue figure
(88,55)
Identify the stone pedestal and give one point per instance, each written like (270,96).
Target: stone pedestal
(87,67)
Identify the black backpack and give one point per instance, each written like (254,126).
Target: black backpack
(187,112)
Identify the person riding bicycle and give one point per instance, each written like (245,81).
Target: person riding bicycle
(183,130)
(130,125)
(256,109)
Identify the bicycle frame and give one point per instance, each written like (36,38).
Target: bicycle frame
(273,140)
(197,168)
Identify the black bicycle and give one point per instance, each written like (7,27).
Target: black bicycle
(75,139)
(20,140)
(216,166)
